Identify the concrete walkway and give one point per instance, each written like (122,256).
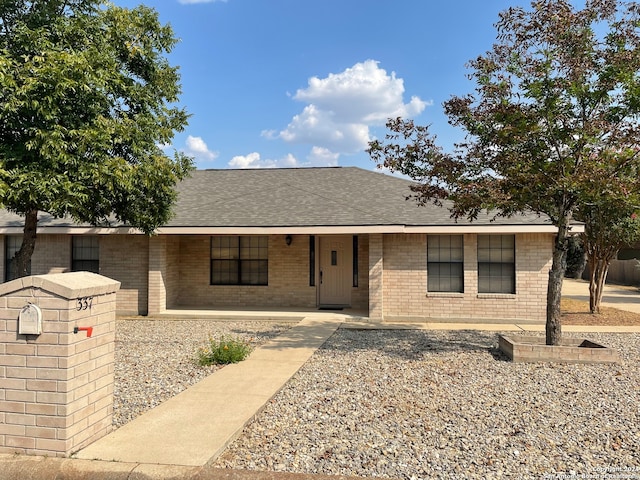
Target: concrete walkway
(196,425)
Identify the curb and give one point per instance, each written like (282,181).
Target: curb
(14,467)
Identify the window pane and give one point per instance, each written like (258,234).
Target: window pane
(496,278)
(85,254)
(239,260)
(224,247)
(496,264)
(86,266)
(224,272)
(253,247)
(254,272)
(445,277)
(445,272)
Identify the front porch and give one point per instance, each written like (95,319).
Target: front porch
(229,276)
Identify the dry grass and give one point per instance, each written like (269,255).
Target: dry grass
(576,312)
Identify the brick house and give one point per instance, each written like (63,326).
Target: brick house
(307,238)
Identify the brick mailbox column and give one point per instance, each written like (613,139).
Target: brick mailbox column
(56,387)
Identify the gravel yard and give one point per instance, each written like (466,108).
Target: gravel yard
(439,404)
(407,404)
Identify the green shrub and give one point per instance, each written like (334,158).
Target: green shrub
(223,351)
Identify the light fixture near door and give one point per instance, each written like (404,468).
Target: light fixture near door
(288,240)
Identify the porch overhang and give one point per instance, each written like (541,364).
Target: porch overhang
(298,230)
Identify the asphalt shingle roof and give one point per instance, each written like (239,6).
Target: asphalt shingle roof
(329,196)
(299,197)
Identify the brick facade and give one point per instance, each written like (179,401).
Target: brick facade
(405,292)
(124,257)
(169,272)
(288,284)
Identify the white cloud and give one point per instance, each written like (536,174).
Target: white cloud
(341,108)
(191,2)
(321,157)
(246,161)
(197,148)
(253,160)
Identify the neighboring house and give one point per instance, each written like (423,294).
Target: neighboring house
(308,238)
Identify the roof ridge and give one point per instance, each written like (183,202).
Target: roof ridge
(269,169)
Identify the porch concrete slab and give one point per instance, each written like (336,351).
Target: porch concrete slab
(259,314)
(195,426)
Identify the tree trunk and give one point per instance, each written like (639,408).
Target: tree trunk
(22,260)
(553,328)
(599,270)
(593,268)
(600,290)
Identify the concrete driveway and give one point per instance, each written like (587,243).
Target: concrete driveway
(616,296)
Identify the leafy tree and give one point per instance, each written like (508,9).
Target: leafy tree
(86,99)
(606,231)
(553,123)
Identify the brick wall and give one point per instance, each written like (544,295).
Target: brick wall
(52,255)
(126,259)
(157,274)
(377,278)
(56,388)
(173,272)
(288,277)
(123,257)
(405,293)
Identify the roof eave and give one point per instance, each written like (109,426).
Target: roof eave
(302,230)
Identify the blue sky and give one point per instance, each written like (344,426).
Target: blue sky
(298,83)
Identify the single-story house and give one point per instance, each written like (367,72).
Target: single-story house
(335,237)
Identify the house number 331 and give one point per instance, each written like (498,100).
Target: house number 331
(84,303)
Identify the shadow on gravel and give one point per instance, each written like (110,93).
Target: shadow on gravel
(270,334)
(413,344)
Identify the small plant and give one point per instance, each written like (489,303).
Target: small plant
(223,351)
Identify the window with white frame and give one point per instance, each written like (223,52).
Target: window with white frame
(85,254)
(12,244)
(445,263)
(239,260)
(496,264)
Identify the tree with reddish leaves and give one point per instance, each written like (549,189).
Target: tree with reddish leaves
(552,124)
(607,229)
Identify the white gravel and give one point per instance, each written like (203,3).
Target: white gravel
(427,404)
(410,404)
(156,359)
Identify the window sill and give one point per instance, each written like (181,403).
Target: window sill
(507,296)
(444,295)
